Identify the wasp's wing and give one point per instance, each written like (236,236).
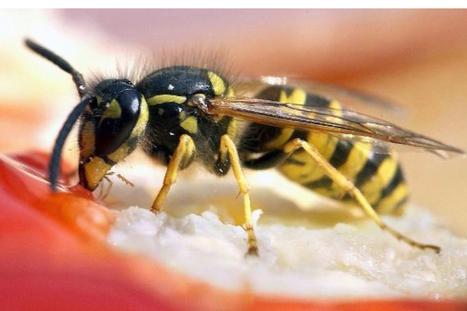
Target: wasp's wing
(343,122)
(351,98)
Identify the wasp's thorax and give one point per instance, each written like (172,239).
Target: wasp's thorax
(170,92)
(111,126)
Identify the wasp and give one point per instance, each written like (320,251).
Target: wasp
(184,114)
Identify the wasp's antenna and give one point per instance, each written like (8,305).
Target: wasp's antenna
(60,62)
(54,162)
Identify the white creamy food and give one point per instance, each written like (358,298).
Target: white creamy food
(307,248)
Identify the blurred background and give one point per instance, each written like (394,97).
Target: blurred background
(418,58)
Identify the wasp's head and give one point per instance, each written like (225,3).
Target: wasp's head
(113,117)
(111,126)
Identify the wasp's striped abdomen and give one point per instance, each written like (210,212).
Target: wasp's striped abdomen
(375,171)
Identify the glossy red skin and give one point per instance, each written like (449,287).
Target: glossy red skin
(53,256)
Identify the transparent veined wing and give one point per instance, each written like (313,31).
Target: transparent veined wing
(357,100)
(346,123)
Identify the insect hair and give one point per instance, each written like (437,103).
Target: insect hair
(137,67)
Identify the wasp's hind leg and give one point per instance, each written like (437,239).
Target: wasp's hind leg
(350,188)
(183,154)
(228,148)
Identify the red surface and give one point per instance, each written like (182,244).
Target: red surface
(53,257)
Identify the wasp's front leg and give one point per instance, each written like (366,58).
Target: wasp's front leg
(183,154)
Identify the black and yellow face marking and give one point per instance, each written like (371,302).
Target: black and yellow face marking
(122,115)
(183,114)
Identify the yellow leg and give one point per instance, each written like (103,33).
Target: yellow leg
(227,147)
(184,151)
(349,187)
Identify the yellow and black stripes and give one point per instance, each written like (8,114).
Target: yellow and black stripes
(262,138)
(374,171)
(376,174)
(382,182)
(394,195)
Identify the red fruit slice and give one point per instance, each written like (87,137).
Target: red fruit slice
(53,256)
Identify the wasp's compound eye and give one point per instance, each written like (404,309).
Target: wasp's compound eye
(117,119)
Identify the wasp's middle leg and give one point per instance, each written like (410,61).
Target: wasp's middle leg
(183,154)
(227,147)
(350,188)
